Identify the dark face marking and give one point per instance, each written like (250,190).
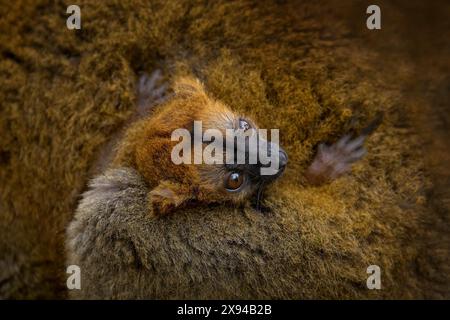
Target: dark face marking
(250,174)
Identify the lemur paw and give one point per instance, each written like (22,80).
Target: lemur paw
(151,90)
(166,197)
(161,203)
(333,161)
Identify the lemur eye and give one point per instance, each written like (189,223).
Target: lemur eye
(244,125)
(233,181)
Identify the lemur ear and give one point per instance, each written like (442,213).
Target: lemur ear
(166,197)
(187,86)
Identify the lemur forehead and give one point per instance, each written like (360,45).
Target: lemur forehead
(220,118)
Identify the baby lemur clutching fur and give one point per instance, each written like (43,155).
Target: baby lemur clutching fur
(147,147)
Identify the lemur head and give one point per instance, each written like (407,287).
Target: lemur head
(193,148)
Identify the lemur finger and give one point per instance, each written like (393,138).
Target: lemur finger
(159,92)
(147,83)
(343,141)
(354,144)
(142,81)
(153,79)
(357,155)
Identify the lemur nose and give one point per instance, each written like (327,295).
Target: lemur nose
(283,159)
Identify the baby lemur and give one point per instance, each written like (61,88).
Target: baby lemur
(147,147)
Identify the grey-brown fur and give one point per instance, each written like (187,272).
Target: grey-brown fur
(123,253)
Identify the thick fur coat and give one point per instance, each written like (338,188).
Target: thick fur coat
(125,253)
